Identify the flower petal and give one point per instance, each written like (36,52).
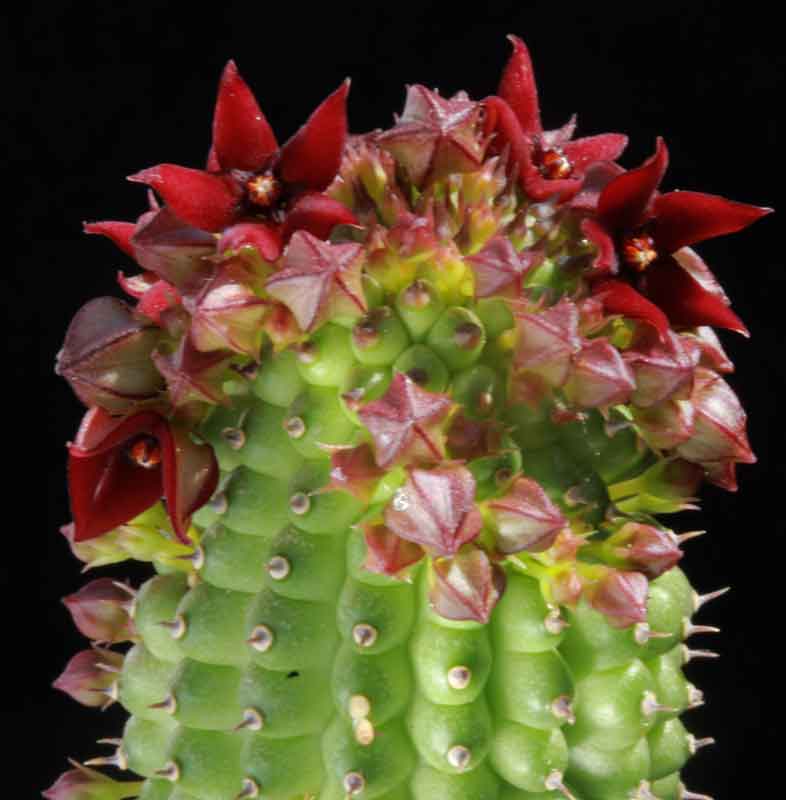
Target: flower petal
(262,236)
(685,218)
(621,298)
(190,475)
(119,232)
(311,158)
(318,214)
(582,153)
(501,120)
(518,89)
(206,201)
(242,137)
(605,261)
(623,204)
(685,301)
(105,486)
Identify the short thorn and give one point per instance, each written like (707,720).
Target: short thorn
(364,732)
(686,537)
(118,759)
(253,720)
(553,783)
(554,622)
(459,757)
(108,667)
(111,694)
(684,794)
(459,677)
(176,626)
(364,634)
(112,742)
(168,705)
(278,568)
(354,783)
(650,706)
(169,772)
(197,558)
(250,790)
(299,503)
(359,706)
(643,792)
(694,744)
(562,709)
(700,600)
(261,638)
(642,634)
(234,437)
(695,697)
(130,591)
(689,629)
(689,655)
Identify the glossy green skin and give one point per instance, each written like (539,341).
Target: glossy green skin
(326,706)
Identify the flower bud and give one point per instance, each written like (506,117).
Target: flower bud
(651,550)
(89,675)
(467,586)
(621,597)
(100,610)
(82,783)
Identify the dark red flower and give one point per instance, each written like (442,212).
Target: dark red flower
(549,162)
(249,177)
(119,467)
(643,236)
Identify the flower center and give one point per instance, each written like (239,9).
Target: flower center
(263,190)
(145,452)
(554,164)
(638,251)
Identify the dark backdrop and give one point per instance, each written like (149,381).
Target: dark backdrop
(95,92)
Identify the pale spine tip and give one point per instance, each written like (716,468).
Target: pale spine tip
(168,705)
(364,732)
(253,720)
(261,638)
(278,568)
(364,634)
(562,709)
(459,757)
(359,706)
(553,783)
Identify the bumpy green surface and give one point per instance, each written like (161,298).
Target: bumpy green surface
(295,673)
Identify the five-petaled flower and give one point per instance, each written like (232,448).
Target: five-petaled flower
(119,467)
(643,236)
(249,177)
(549,163)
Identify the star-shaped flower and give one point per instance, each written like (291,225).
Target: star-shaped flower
(643,236)
(249,176)
(435,136)
(549,162)
(119,467)
(319,280)
(404,422)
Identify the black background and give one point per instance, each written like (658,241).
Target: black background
(95,92)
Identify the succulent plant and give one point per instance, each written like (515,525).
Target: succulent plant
(396,417)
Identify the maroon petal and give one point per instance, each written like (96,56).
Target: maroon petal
(160,297)
(388,554)
(106,487)
(190,475)
(605,261)
(106,356)
(404,419)
(623,204)
(242,138)
(518,89)
(136,285)
(436,509)
(317,214)
(176,252)
(501,121)
(596,179)
(582,153)
(621,298)
(621,597)
(685,218)
(119,232)
(206,201)
(467,586)
(526,518)
(685,301)
(264,237)
(311,158)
